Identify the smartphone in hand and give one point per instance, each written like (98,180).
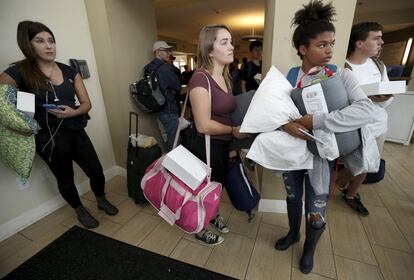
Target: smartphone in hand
(51,106)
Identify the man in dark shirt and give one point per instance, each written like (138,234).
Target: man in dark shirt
(187,74)
(170,86)
(252,68)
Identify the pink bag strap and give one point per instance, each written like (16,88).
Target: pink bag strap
(206,136)
(328,72)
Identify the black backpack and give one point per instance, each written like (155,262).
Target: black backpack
(147,93)
(376,177)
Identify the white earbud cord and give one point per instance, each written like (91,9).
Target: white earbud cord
(52,135)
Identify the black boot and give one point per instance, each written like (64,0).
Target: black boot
(295,217)
(312,238)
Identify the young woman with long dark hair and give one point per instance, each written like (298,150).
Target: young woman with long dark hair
(62,139)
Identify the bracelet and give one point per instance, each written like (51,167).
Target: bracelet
(231,130)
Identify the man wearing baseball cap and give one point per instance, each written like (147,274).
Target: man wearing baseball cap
(170,86)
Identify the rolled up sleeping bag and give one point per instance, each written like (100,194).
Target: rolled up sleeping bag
(336,98)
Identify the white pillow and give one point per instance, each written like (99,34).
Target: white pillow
(271,106)
(277,150)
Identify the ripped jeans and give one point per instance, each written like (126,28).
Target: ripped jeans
(315,205)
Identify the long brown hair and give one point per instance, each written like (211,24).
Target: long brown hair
(31,74)
(205,46)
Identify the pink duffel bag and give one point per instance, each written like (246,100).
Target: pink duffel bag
(191,210)
(177,203)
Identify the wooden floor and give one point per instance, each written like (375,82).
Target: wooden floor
(380,246)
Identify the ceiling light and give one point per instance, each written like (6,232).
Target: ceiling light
(407,51)
(252,36)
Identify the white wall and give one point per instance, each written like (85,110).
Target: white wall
(123,33)
(278,49)
(69,22)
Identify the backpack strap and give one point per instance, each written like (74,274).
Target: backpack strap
(68,72)
(148,72)
(380,64)
(347,66)
(332,67)
(293,73)
(154,78)
(292,76)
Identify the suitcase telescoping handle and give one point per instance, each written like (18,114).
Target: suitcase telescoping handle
(136,123)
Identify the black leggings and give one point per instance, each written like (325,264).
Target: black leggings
(69,146)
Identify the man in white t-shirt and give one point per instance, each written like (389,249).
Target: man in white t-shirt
(364,46)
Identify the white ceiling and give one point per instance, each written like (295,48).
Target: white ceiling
(183,19)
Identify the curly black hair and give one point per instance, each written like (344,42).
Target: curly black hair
(313,19)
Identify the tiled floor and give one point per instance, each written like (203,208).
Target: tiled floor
(380,246)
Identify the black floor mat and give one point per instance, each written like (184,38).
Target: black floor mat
(82,254)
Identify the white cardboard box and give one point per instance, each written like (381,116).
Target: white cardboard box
(258,78)
(186,166)
(26,102)
(389,87)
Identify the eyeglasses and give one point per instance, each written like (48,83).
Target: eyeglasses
(165,50)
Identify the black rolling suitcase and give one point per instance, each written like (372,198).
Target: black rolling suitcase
(138,159)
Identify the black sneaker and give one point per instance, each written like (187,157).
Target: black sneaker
(218,222)
(85,218)
(105,205)
(356,204)
(210,238)
(249,164)
(345,192)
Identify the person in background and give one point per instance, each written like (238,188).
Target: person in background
(365,44)
(176,69)
(314,39)
(215,54)
(170,86)
(235,76)
(244,63)
(252,68)
(62,139)
(187,74)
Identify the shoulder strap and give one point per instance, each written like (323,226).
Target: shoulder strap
(380,64)
(156,68)
(332,67)
(148,72)
(292,76)
(206,136)
(67,72)
(347,66)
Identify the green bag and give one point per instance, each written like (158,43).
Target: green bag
(16,150)
(9,116)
